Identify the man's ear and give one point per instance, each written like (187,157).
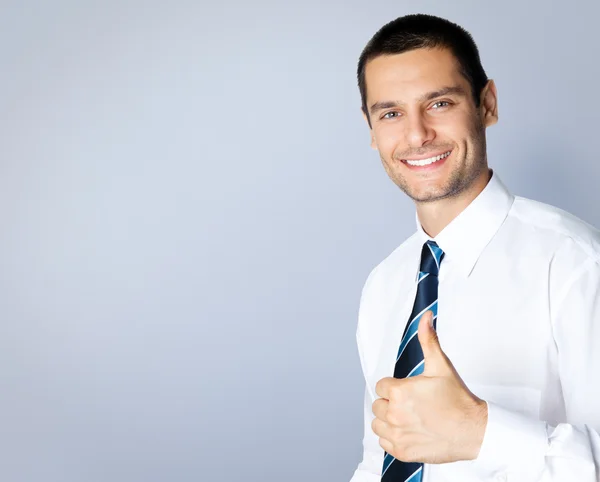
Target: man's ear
(373,141)
(489,104)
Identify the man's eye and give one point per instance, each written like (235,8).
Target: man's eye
(390,115)
(441,103)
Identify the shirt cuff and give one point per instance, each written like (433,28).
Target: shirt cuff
(513,445)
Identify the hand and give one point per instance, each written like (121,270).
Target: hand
(433,417)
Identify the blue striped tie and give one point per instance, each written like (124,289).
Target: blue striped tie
(410,362)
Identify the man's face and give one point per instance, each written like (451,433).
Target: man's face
(424,123)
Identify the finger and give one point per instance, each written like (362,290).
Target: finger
(383,387)
(381,428)
(386,445)
(380,408)
(435,360)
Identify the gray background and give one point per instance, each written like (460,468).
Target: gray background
(189,208)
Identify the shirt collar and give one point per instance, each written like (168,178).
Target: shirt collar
(465,238)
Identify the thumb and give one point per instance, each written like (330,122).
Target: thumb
(436,362)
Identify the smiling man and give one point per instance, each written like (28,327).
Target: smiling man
(479,336)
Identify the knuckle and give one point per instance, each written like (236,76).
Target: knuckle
(400,452)
(380,386)
(413,455)
(396,392)
(405,453)
(385,445)
(394,417)
(375,425)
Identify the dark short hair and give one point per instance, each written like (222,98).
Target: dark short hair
(417,31)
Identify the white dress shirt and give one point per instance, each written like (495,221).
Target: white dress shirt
(519,317)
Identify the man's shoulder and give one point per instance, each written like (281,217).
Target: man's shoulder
(548,220)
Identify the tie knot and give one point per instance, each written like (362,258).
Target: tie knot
(431,258)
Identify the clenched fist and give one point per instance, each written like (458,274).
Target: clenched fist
(433,417)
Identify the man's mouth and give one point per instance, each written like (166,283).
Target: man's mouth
(426,162)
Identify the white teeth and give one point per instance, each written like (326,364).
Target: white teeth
(431,160)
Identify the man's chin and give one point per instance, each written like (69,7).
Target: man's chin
(425,199)
(426,195)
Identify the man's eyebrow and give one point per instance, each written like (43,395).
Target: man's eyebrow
(377,106)
(383,105)
(444,91)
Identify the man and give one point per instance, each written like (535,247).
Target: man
(510,390)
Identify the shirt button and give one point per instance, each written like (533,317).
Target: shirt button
(501,478)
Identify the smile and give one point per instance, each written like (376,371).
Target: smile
(430,160)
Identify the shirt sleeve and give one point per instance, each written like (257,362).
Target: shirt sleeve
(519,448)
(369,469)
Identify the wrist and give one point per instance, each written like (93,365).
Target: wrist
(479,418)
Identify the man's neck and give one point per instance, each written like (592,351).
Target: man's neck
(435,216)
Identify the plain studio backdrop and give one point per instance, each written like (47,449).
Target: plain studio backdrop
(189,208)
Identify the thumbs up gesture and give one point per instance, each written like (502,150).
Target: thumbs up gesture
(433,417)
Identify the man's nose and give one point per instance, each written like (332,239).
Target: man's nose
(418,131)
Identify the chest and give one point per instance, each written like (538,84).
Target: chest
(493,325)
